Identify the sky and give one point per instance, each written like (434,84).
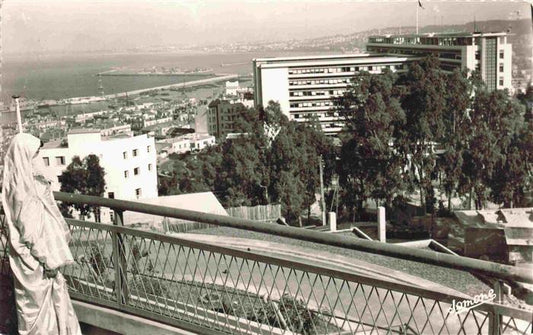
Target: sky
(35,26)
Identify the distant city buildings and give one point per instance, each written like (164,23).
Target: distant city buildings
(129,162)
(305,86)
(221,116)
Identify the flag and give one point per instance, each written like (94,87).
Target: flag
(420,4)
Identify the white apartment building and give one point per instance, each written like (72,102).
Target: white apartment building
(490,53)
(129,162)
(304,86)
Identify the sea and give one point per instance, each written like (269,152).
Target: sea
(58,76)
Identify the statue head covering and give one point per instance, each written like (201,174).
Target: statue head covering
(30,211)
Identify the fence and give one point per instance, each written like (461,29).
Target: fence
(256,213)
(210,289)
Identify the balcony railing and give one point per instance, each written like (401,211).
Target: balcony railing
(209,288)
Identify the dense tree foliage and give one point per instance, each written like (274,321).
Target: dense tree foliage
(443,130)
(424,104)
(454,140)
(83,177)
(369,166)
(273,161)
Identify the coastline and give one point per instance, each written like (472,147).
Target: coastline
(222,77)
(91,99)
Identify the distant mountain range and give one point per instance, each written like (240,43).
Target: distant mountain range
(520,31)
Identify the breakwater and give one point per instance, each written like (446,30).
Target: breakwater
(179,85)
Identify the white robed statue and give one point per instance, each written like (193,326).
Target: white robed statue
(38,243)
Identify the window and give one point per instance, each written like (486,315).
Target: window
(136,171)
(46,161)
(149,167)
(148,149)
(501,67)
(134,152)
(112,216)
(125,155)
(501,81)
(111,195)
(126,174)
(501,54)
(138,192)
(60,160)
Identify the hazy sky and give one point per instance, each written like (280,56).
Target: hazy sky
(55,25)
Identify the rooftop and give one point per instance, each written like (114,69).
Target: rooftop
(341,60)
(78,131)
(453,34)
(296,58)
(52,145)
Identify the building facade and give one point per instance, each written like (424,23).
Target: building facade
(305,86)
(489,53)
(129,162)
(221,116)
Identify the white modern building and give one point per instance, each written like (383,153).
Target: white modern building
(490,53)
(304,86)
(129,162)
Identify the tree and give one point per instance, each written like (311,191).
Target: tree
(369,166)
(237,183)
(494,137)
(512,174)
(84,177)
(243,170)
(424,104)
(526,99)
(297,151)
(455,137)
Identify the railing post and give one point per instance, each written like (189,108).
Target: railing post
(495,319)
(382,225)
(119,261)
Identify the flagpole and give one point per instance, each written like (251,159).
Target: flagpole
(417,4)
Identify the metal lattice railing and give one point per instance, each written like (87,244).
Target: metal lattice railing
(210,288)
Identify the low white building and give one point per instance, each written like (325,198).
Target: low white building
(88,116)
(153,122)
(232,87)
(129,162)
(189,142)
